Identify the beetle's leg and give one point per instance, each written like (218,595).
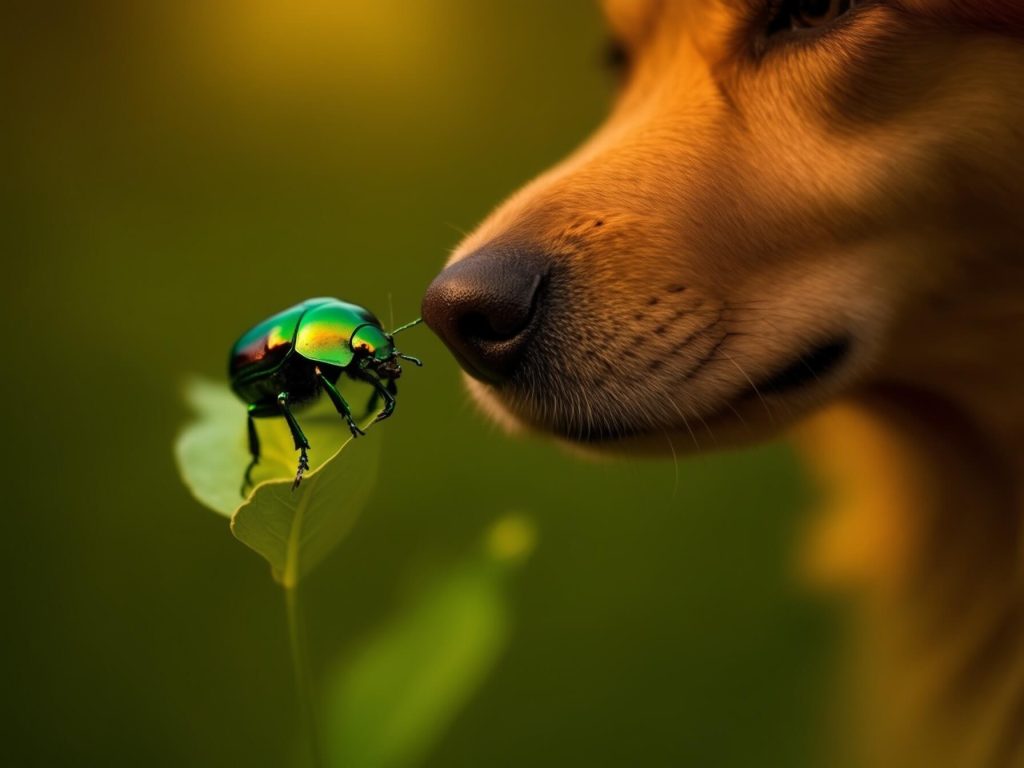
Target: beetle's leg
(371,404)
(301,443)
(339,403)
(379,388)
(254,450)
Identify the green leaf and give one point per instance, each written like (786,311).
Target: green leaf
(389,705)
(211,451)
(293,529)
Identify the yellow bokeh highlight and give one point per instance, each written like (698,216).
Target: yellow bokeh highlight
(512,538)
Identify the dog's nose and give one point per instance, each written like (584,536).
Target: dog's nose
(484,307)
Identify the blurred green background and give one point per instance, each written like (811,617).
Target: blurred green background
(176,172)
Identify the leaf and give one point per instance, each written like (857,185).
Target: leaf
(389,705)
(293,529)
(211,451)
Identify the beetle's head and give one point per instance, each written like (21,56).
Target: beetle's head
(388,369)
(375,350)
(391,368)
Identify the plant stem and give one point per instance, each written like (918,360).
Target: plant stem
(304,689)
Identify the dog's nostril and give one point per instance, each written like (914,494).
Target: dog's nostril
(476,326)
(483,328)
(483,308)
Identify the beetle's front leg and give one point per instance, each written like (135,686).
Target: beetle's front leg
(378,385)
(339,403)
(371,404)
(301,443)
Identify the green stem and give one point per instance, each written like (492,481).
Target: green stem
(304,688)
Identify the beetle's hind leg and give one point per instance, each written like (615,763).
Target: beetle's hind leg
(339,403)
(254,451)
(301,443)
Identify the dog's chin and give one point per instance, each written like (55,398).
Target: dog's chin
(734,426)
(745,413)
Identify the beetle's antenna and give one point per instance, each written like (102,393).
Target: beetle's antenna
(411,359)
(401,328)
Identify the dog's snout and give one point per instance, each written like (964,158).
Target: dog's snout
(484,307)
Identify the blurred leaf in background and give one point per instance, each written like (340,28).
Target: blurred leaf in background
(391,702)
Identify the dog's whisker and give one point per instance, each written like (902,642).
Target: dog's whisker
(675,463)
(707,428)
(458,230)
(686,423)
(753,386)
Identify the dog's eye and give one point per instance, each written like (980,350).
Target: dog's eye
(815,13)
(794,15)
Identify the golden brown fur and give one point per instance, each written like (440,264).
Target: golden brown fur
(747,201)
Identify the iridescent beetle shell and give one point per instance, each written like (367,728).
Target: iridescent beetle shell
(318,329)
(327,333)
(292,357)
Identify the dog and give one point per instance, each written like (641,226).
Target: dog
(802,216)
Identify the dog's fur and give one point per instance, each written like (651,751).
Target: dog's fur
(855,194)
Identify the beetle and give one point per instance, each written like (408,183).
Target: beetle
(286,361)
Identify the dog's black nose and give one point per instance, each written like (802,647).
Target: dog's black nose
(484,307)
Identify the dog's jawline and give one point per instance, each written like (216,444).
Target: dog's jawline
(811,367)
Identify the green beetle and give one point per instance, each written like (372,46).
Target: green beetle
(289,358)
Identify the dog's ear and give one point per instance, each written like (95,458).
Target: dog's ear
(1000,16)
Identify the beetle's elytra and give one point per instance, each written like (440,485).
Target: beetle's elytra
(287,360)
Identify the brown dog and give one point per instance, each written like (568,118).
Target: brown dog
(802,212)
